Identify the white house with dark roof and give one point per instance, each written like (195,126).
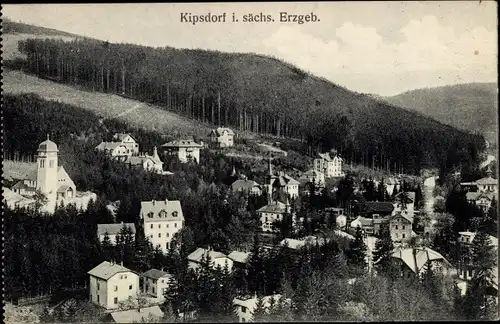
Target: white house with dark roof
(413,261)
(271,213)
(128,141)
(400,227)
(240,258)
(481,199)
(155,283)
(222,137)
(151,163)
(112,230)
(114,150)
(161,220)
(216,259)
(245,306)
(111,283)
(330,166)
(185,149)
(313,176)
(487,184)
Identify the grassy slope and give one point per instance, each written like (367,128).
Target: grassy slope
(471,107)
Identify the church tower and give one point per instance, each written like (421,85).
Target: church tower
(46,179)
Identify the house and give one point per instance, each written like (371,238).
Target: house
(114,150)
(222,137)
(337,214)
(392,185)
(330,166)
(128,141)
(313,176)
(240,259)
(481,199)
(377,209)
(486,184)
(185,149)
(139,315)
(216,259)
(370,226)
(413,261)
(400,227)
(111,283)
(112,230)
(13,200)
(155,283)
(466,239)
(405,204)
(283,185)
(52,180)
(247,186)
(271,213)
(151,163)
(245,306)
(161,220)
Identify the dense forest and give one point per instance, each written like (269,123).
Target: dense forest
(255,93)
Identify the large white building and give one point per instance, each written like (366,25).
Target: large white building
(121,147)
(222,137)
(155,283)
(52,180)
(111,283)
(330,166)
(185,150)
(161,220)
(272,212)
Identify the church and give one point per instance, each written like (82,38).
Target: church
(52,180)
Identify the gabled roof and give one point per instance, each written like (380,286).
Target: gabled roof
(219,131)
(197,255)
(113,229)
(285,180)
(238,256)
(121,136)
(244,185)
(403,216)
(32,175)
(141,315)
(182,143)
(423,255)
(106,270)
(311,173)
(472,235)
(378,207)
(409,194)
(63,188)
(473,196)
(21,185)
(156,274)
(276,207)
(487,181)
(163,210)
(108,145)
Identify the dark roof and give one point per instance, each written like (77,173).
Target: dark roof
(113,229)
(20,185)
(106,270)
(165,210)
(244,185)
(182,143)
(378,207)
(155,274)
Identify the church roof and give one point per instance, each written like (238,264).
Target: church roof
(47,146)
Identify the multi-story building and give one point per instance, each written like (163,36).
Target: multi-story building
(113,230)
(128,141)
(151,163)
(155,283)
(405,204)
(121,147)
(400,227)
(186,150)
(247,186)
(271,213)
(222,137)
(330,166)
(161,220)
(111,283)
(487,184)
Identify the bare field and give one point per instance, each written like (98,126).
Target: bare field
(132,112)
(17,170)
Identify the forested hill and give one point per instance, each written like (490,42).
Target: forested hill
(253,93)
(11,27)
(471,106)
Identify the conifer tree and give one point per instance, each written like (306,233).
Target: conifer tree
(383,251)
(357,252)
(259,312)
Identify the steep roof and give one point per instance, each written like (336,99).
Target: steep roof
(164,210)
(140,315)
(63,188)
(108,145)
(155,274)
(113,229)
(476,195)
(378,207)
(400,215)
(423,255)
(21,185)
(238,256)
(409,194)
(121,136)
(220,131)
(487,181)
(285,180)
(244,185)
(197,255)
(182,143)
(106,270)
(274,207)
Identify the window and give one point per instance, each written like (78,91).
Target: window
(470,273)
(159,225)
(116,288)
(167,245)
(162,281)
(243,309)
(116,300)
(42,163)
(125,276)
(403,227)
(159,234)
(130,287)
(98,299)
(151,236)
(243,320)
(153,289)
(167,225)
(168,234)
(51,163)
(396,226)
(403,234)
(175,225)
(151,225)
(175,213)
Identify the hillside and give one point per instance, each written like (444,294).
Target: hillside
(247,92)
(472,107)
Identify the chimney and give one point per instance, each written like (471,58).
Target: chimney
(166,201)
(153,202)
(121,222)
(121,263)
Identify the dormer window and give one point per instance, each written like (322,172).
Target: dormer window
(163,213)
(150,214)
(175,213)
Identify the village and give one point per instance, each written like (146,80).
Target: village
(391,211)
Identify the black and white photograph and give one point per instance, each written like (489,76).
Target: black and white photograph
(250,162)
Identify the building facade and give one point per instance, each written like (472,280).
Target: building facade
(271,213)
(328,165)
(155,283)
(161,220)
(111,284)
(222,137)
(400,227)
(184,150)
(113,230)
